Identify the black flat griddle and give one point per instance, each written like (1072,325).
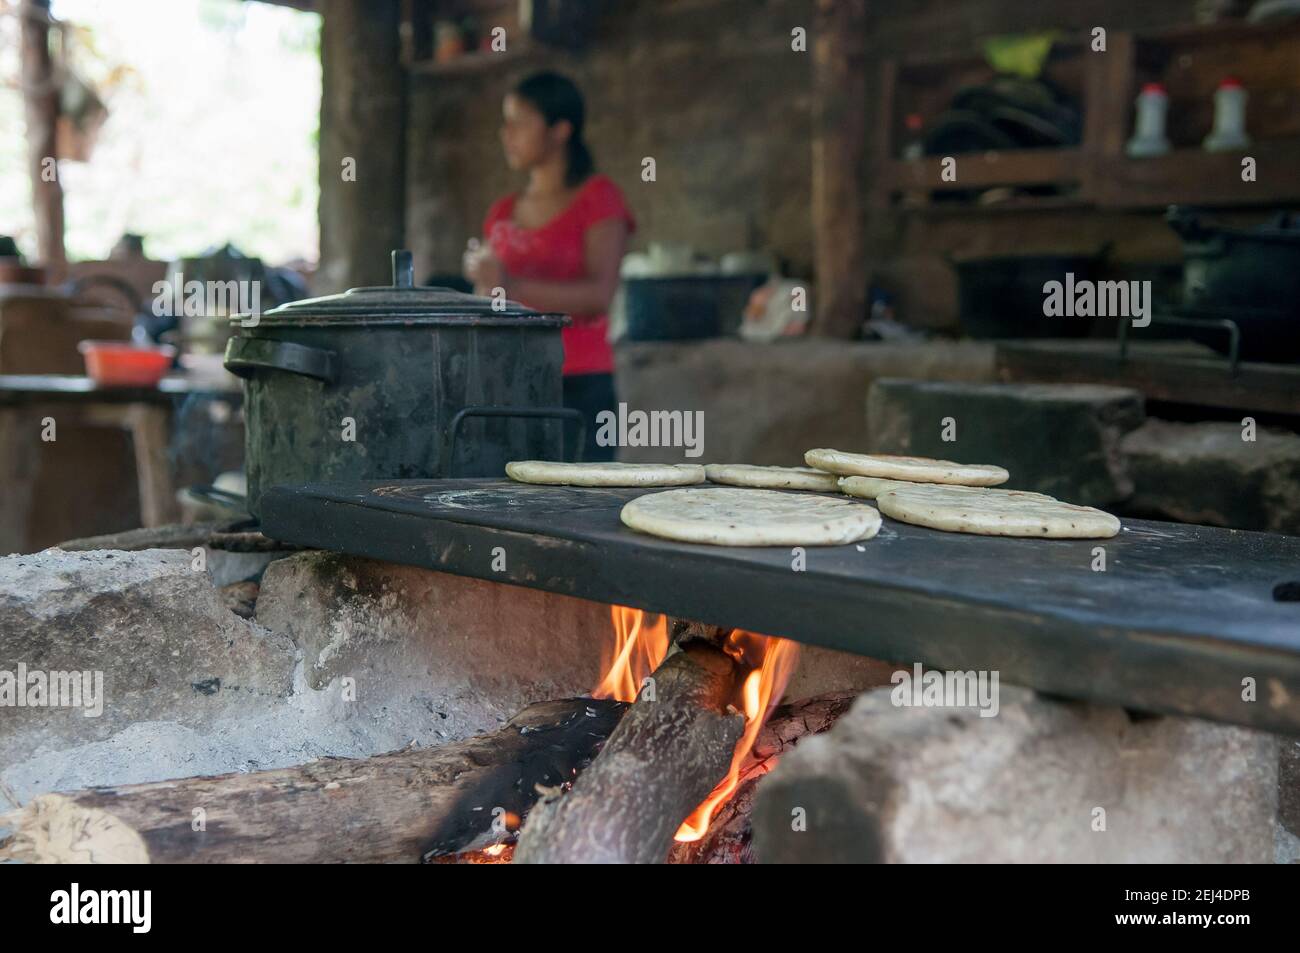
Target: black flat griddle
(1179,618)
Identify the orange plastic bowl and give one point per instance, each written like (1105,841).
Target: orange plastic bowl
(121,364)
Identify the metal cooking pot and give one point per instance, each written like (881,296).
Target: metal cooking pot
(1251,276)
(1225,267)
(396,382)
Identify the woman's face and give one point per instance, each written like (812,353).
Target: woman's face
(526,138)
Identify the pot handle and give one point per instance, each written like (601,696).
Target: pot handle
(245,356)
(1188,223)
(561,413)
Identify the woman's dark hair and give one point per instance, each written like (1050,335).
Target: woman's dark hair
(557,98)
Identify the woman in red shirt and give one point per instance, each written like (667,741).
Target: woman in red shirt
(557,245)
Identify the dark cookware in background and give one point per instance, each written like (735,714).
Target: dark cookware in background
(686,307)
(1008,112)
(1002,297)
(207,333)
(1248,275)
(437,383)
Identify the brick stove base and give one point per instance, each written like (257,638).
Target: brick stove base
(346,657)
(1045,781)
(353,657)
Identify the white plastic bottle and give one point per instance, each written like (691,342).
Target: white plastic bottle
(1229,132)
(1149,131)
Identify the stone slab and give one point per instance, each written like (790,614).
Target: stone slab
(1042,781)
(1060,439)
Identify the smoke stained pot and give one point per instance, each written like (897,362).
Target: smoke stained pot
(394,383)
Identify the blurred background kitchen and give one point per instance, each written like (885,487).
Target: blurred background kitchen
(806,268)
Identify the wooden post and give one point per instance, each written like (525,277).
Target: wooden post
(41,100)
(19,449)
(151,434)
(1110,89)
(150,427)
(839,143)
(362,143)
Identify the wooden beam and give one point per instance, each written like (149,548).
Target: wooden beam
(41,102)
(838,174)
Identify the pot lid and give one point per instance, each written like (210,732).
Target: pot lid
(403,302)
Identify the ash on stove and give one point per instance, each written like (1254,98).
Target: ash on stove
(504,495)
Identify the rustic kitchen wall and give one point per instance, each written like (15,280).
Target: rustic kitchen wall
(712,90)
(709,88)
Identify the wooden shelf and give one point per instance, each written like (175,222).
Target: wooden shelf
(479,61)
(1190,60)
(529,26)
(1193,176)
(1018,205)
(977,170)
(421,19)
(1183,176)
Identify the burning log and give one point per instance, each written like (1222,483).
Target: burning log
(730,835)
(728,838)
(392,807)
(663,759)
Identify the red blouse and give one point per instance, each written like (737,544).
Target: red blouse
(555,252)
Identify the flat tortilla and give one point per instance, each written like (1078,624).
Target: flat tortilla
(991,512)
(604,474)
(869,488)
(772,478)
(726,516)
(910,469)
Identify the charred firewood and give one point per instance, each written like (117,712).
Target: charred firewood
(666,755)
(171,536)
(390,808)
(683,632)
(240,598)
(730,834)
(557,741)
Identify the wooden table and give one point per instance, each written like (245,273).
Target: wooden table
(33,406)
